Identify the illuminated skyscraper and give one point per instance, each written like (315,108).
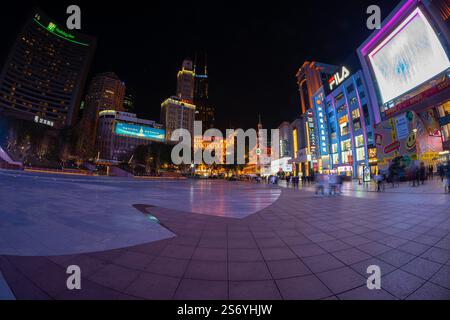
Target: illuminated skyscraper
(310,77)
(177,114)
(45,73)
(204,111)
(186,82)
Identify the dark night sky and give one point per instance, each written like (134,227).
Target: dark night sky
(254,48)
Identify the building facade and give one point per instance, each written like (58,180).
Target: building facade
(119,133)
(186,82)
(310,77)
(106,92)
(407,70)
(344,125)
(129,100)
(45,73)
(177,114)
(204,111)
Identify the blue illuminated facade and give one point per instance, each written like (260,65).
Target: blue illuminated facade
(140,131)
(345,126)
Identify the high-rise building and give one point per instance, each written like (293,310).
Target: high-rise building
(204,111)
(344,125)
(44,76)
(310,77)
(105,92)
(177,114)
(129,100)
(186,81)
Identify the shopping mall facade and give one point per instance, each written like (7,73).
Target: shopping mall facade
(407,71)
(393,104)
(344,124)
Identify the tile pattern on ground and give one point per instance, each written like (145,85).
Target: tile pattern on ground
(300,247)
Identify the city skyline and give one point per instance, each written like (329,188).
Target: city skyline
(112,188)
(252,60)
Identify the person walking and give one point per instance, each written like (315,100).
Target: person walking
(447,178)
(320,184)
(422,172)
(430,172)
(441,171)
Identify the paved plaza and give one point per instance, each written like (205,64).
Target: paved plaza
(187,239)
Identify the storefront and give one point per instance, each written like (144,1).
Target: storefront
(344,125)
(407,68)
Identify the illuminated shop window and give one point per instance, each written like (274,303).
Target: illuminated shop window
(339,97)
(335,158)
(359,141)
(356,119)
(343,125)
(360,154)
(334,148)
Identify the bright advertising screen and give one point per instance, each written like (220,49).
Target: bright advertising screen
(409,56)
(139,131)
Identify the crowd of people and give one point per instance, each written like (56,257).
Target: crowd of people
(416,175)
(328,184)
(331,184)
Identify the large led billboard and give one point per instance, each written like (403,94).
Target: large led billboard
(139,131)
(409,56)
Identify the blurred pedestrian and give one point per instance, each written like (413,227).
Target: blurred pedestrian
(320,184)
(441,171)
(422,172)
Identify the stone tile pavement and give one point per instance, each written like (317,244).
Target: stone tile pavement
(300,247)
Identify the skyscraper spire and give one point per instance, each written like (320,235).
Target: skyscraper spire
(206,64)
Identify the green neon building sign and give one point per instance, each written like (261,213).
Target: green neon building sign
(53,28)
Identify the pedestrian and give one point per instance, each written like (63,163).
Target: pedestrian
(413,175)
(441,171)
(422,172)
(430,172)
(379,180)
(320,184)
(447,178)
(332,180)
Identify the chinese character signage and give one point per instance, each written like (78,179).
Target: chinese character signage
(322,131)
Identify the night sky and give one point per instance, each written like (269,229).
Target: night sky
(254,48)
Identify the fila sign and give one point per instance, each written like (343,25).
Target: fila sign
(338,78)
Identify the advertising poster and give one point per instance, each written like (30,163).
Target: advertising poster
(411,135)
(401,124)
(142,132)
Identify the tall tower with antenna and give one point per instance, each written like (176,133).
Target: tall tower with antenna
(205,112)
